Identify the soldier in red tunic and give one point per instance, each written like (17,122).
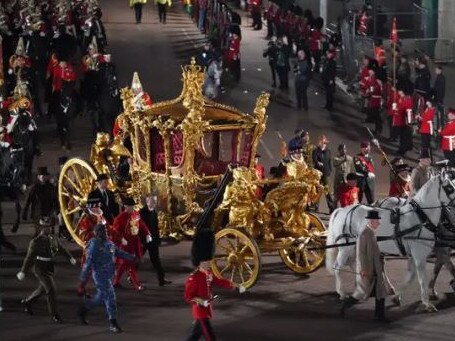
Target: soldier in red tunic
(363,81)
(426,125)
(198,286)
(374,94)
(233,53)
(127,231)
(349,192)
(448,138)
(404,117)
(401,186)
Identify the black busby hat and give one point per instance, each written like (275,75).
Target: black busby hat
(203,246)
(351,176)
(43,171)
(424,154)
(128,201)
(373,214)
(62,160)
(102,176)
(93,202)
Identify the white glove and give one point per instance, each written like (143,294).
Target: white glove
(375,142)
(242,289)
(205,303)
(148,239)
(73,261)
(20,276)
(124,242)
(371,175)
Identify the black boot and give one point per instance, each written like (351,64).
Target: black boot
(114,327)
(348,303)
(82,313)
(379,311)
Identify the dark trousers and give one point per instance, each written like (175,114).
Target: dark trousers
(274,72)
(317,60)
(46,287)
(269,28)
(138,12)
(60,117)
(301,94)
(162,12)
(256,15)
(329,94)
(283,76)
(440,117)
(154,254)
(405,134)
(234,67)
(374,116)
(426,142)
(366,187)
(202,327)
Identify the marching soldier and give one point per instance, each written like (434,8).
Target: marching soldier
(404,117)
(448,138)
(41,198)
(364,165)
(371,279)
(374,94)
(198,286)
(426,125)
(41,252)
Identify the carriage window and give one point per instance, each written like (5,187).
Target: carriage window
(245,149)
(157,151)
(176,148)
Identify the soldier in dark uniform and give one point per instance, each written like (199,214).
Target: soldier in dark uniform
(42,197)
(108,204)
(41,251)
(363,163)
(150,217)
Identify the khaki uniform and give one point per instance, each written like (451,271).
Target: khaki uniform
(369,260)
(41,251)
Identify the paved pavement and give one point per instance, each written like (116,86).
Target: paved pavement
(282,306)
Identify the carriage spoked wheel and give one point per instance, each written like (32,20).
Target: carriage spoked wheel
(76,181)
(237,257)
(299,257)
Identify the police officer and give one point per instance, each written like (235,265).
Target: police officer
(41,252)
(100,262)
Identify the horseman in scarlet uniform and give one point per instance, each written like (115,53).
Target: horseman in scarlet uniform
(448,138)
(127,230)
(199,285)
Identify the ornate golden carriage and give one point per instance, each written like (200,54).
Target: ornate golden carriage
(180,149)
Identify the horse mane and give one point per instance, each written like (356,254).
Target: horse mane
(427,188)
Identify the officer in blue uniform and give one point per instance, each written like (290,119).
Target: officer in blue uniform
(100,262)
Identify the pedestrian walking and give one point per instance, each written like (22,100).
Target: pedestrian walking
(100,263)
(137,5)
(40,255)
(344,165)
(371,280)
(322,160)
(364,166)
(271,53)
(329,72)
(162,9)
(302,71)
(438,94)
(149,216)
(199,286)
(41,198)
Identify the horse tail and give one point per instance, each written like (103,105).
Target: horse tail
(331,254)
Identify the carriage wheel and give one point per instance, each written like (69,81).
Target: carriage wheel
(76,181)
(237,257)
(297,257)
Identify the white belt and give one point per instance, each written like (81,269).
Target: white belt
(430,123)
(44,259)
(409,116)
(450,137)
(375,96)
